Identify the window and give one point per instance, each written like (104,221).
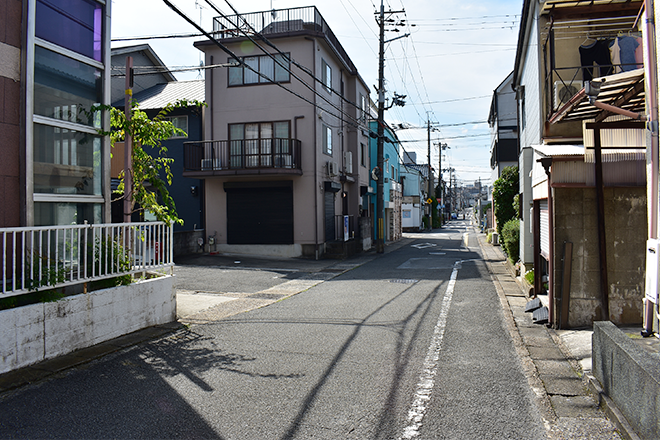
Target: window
(73,24)
(363,108)
(326,75)
(180,122)
(67,79)
(255,145)
(327,140)
(271,67)
(363,155)
(65,89)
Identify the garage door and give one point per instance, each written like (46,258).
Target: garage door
(260,215)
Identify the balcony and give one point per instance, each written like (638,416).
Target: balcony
(271,156)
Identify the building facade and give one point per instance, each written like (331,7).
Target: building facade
(285,157)
(55,58)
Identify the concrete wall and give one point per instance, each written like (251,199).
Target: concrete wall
(185,242)
(630,376)
(625,226)
(41,331)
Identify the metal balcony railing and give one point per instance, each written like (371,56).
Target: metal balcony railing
(52,257)
(279,21)
(243,155)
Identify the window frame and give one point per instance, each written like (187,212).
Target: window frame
(100,120)
(273,77)
(327,140)
(326,75)
(171,119)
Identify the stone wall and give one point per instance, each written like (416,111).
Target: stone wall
(625,230)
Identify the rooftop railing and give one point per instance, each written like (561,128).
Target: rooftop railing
(53,257)
(279,21)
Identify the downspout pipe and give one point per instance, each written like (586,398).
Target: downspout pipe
(651,75)
(547,163)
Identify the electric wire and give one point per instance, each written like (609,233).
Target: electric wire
(304,69)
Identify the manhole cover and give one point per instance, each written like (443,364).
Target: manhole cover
(404,281)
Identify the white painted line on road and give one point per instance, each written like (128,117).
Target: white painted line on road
(430,367)
(423,245)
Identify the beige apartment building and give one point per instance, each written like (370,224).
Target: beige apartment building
(284,161)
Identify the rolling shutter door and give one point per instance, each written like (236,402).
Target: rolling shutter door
(260,215)
(545,228)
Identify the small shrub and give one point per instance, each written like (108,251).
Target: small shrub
(425,221)
(529,276)
(511,239)
(489,237)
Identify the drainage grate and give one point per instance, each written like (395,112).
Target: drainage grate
(533,305)
(404,281)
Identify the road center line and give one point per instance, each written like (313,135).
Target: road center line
(430,366)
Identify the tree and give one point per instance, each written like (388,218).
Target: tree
(149,190)
(504,190)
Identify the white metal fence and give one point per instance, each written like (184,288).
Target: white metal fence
(51,257)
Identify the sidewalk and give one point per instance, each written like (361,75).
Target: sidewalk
(557,364)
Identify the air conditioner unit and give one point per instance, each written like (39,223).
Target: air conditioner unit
(333,168)
(348,162)
(564,91)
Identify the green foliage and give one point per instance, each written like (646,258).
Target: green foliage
(435,215)
(511,238)
(110,257)
(489,237)
(529,276)
(425,221)
(149,190)
(504,190)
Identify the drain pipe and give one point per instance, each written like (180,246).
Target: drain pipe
(651,74)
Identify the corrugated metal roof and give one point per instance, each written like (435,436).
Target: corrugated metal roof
(624,90)
(160,95)
(559,150)
(549,5)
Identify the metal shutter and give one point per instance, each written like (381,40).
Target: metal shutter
(545,227)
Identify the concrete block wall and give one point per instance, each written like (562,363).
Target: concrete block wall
(625,230)
(41,331)
(630,376)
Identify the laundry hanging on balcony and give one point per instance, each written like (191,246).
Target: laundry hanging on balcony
(597,53)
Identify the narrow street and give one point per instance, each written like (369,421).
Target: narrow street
(411,344)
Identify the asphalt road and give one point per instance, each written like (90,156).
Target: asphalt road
(409,345)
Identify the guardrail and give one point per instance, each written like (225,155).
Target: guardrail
(51,257)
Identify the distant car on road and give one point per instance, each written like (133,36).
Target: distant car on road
(454,216)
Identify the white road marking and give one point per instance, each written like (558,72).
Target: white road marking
(423,245)
(430,366)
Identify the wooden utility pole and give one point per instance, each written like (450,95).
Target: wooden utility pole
(380,215)
(128,143)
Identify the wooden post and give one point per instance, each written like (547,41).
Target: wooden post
(128,143)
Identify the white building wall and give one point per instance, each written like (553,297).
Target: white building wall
(530,134)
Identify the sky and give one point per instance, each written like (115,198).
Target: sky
(457,53)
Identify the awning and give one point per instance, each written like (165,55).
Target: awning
(623,90)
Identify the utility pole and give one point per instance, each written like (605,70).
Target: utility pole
(128,142)
(380,242)
(430,181)
(380,196)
